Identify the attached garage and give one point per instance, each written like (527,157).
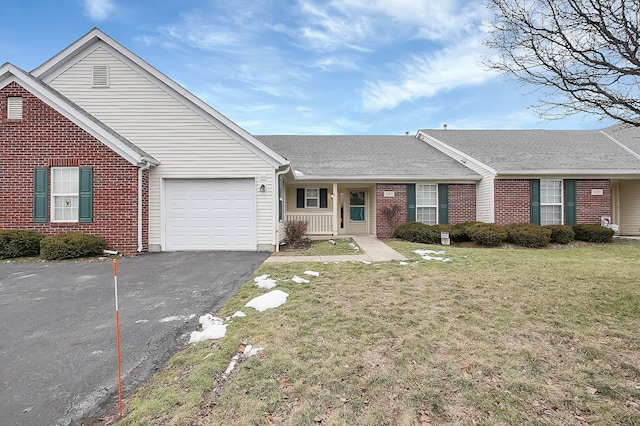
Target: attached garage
(210,214)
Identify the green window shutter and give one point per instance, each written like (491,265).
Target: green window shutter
(411,202)
(570,202)
(443,203)
(323,198)
(535,201)
(300,198)
(40,194)
(85,196)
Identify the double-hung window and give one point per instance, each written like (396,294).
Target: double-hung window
(63,194)
(551,202)
(427,204)
(312,197)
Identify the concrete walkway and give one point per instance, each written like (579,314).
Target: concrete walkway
(374,251)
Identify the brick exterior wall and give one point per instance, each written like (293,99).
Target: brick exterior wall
(462,203)
(512,201)
(384,229)
(589,207)
(45,138)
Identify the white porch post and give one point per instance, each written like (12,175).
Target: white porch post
(335,200)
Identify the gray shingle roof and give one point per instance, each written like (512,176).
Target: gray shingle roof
(521,151)
(369,157)
(626,135)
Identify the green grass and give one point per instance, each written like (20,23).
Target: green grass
(325,248)
(495,337)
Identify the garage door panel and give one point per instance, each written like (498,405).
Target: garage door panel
(210,214)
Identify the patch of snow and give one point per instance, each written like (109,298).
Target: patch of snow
(426,255)
(261,277)
(267,283)
(300,280)
(352,245)
(404,263)
(212,328)
(356,249)
(366,262)
(333,243)
(140,321)
(271,300)
(208,355)
(314,273)
(238,314)
(250,351)
(178,318)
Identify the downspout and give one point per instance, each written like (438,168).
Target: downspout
(140,171)
(275,210)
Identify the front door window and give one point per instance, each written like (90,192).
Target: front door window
(356,203)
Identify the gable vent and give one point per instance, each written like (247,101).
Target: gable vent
(14,108)
(101,76)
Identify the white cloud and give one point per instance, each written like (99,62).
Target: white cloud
(98,10)
(424,76)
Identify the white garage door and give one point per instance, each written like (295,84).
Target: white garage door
(210,214)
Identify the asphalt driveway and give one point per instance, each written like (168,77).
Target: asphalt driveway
(57,326)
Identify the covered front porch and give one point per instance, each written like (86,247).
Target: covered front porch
(333,209)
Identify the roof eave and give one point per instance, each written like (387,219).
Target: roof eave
(388,178)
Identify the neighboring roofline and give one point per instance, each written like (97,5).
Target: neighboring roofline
(621,145)
(48,70)
(10,73)
(565,173)
(387,178)
(463,156)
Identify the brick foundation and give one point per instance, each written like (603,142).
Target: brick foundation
(45,138)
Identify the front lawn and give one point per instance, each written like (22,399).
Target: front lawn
(493,337)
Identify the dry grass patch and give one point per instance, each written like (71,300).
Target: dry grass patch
(495,337)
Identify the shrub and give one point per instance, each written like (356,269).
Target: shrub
(528,235)
(459,232)
(71,245)
(294,230)
(487,234)
(417,232)
(593,233)
(561,234)
(19,243)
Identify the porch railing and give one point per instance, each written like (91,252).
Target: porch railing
(317,223)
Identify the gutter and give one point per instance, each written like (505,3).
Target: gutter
(140,170)
(277,203)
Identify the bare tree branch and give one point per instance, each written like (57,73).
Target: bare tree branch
(584,55)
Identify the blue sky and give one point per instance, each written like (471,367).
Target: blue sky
(302,66)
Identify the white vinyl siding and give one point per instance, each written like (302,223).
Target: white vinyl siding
(427,204)
(14,108)
(628,196)
(550,202)
(187,145)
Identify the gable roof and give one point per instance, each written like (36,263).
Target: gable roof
(96,38)
(123,147)
(540,152)
(398,158)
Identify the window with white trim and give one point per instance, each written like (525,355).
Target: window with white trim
(14,108)
(427,204)
(551,202)
(312,197)
(280,198)
(64,194)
